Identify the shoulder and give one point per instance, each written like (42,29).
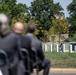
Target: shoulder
(38,41)
(13,37)
(25,39)
(26,36)
(12,34)
(32,38)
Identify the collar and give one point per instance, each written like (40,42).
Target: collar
(2,36)
(29,34)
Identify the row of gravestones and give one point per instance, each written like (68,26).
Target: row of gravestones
(65,47)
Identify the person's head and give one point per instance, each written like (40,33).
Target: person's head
(18,27)
(4,24)
(30,28)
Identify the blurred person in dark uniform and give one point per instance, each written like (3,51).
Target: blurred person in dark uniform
(37,45)
(24,42)
(9,43)
(18,29)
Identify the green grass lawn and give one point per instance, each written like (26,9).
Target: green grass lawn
(61,60)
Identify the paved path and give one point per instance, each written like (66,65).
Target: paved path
(59,74)
(61,71)
(62,74)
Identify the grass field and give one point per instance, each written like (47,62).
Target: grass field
(61,60)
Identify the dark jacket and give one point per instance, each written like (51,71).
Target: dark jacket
(37,45)
(9,44)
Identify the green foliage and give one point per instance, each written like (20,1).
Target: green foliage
(72,39)
(7,6)
(43,11)
(18,12)
(60,26)
(4,8)
(72,18)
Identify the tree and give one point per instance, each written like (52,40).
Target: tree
(4,8)
(72,18)
(43,10)
(60,26)
(72,39)
(17,11)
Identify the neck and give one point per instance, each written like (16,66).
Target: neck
(4,35)
(18,33)
(29,33)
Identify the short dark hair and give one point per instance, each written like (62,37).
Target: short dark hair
(31,27)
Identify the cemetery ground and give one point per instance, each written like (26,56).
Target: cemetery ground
(61,60)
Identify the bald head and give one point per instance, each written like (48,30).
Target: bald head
(18,27)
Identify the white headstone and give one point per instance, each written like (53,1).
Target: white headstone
(71,48)
(63,48)
(45,47)
(57,47)
(51,47)
(75,48)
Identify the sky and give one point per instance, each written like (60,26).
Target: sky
(63,3)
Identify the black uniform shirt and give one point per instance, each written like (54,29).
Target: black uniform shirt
(9,44)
